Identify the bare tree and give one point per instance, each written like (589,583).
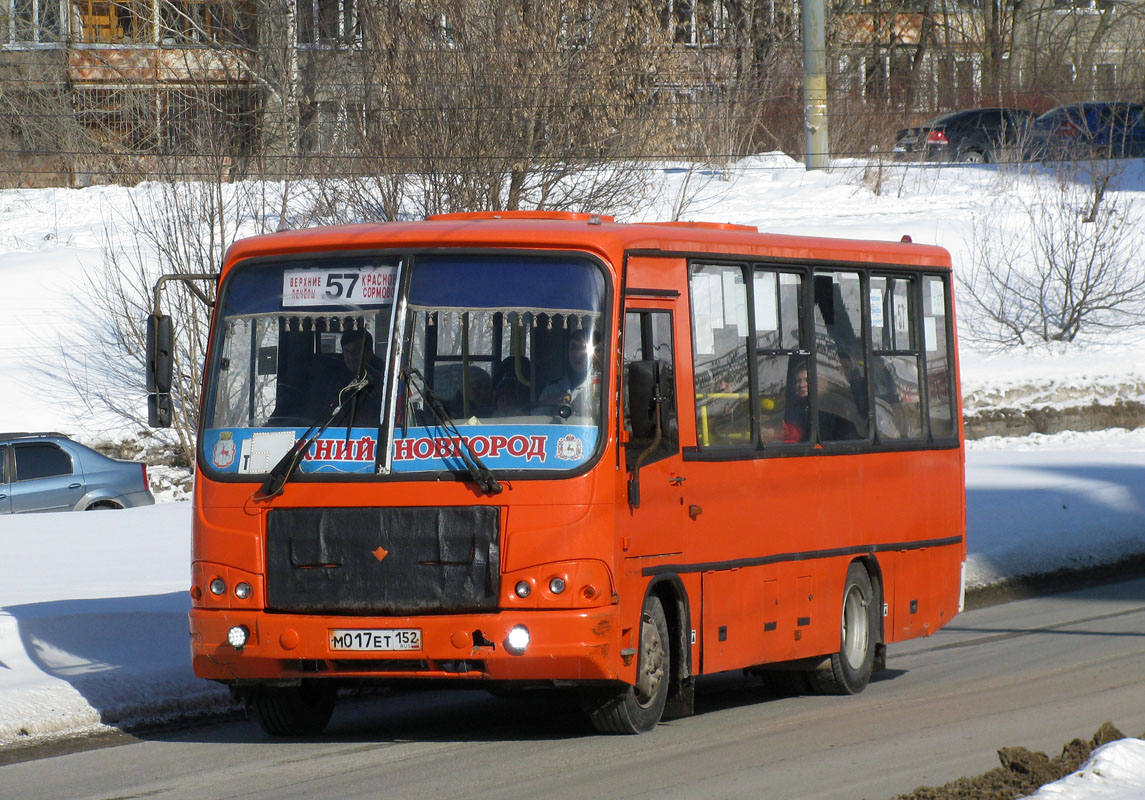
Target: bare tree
(1072,267)
(458,105)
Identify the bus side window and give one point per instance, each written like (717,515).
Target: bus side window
(781,360)
(720,334)
(840,368)
(648,337)
(895,358)
(936,356)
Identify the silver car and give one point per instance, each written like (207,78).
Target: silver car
(50,472)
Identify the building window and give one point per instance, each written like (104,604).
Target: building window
(206,21)
(695,22)
(328,21)
(32,21)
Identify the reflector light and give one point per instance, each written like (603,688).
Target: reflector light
(218,586)
(517,640)
(237,637)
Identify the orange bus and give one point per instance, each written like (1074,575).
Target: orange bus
(549,449)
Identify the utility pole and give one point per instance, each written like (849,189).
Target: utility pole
(815,84)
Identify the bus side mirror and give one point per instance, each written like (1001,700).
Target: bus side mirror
(159,410)
(160,340)
(643,407)
(160,343)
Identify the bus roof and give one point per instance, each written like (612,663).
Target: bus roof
(590,232)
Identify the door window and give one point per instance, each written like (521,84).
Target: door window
(648,337)
(41,460)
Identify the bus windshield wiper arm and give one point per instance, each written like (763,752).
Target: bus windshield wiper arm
(481,474)
(280,473)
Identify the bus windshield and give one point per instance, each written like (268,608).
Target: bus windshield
(509,346)
(502,351)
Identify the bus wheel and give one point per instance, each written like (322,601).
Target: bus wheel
(849,670)
(295,710)
(638,708)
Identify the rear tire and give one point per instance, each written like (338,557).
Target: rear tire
(636,708)
(295,710)
(849,670)
(973,157)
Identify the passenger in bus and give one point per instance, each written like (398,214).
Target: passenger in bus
(511,397)
(480,396)
(796,416)
(572,389)
(359,359)
(842,401)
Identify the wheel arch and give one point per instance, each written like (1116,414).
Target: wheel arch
(678,614)
(875,570)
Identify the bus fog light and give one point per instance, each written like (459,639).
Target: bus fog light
(237,636)
(218,586)
(517,640)
(242,590)
(556,585)
(522,589)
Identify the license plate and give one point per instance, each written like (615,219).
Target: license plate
(390,639)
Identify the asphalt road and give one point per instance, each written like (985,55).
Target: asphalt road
(1035,673)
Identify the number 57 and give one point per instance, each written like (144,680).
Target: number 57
(335,286)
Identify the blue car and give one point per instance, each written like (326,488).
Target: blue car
(1088,130)
(50,472)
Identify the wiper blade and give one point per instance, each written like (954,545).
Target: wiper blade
(280,473)
(480,473)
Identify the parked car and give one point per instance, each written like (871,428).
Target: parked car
(976,135)
(50,472)
(1088,130)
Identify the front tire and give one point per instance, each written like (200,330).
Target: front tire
(637,708)
(295,710)
(849,670)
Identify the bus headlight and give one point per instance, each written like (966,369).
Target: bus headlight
(522,589)
(237,636)
(557,585)
(242,590)
(517,640)
(217,586)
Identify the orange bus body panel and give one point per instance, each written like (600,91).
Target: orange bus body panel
(756,550)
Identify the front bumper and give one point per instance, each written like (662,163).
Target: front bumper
(573,645)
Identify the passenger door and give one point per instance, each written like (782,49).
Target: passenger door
(659,513)
(45,478)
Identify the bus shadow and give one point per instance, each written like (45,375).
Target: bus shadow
(124,658)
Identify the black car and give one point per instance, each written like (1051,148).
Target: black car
(50,472)
(977,136)
(1088,130)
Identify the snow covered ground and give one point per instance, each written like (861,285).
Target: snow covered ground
(93,606)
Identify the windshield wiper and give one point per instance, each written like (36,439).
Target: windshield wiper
(280,473)
(480,473)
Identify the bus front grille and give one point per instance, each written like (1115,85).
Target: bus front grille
(383,561)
